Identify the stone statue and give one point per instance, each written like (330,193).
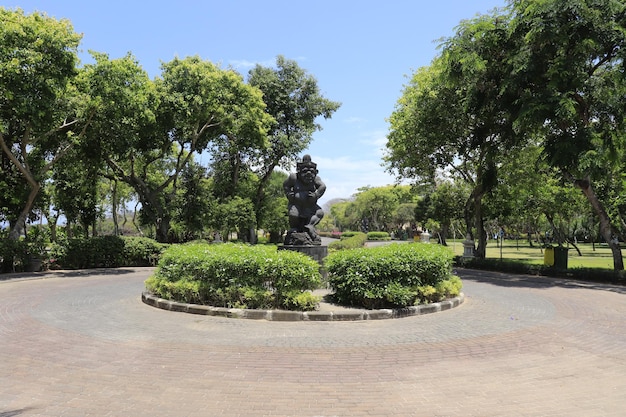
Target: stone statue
(303,189)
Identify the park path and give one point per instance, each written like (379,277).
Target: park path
(83,344)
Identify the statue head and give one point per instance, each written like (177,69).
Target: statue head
(307,169)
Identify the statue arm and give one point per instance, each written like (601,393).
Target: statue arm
(320,187)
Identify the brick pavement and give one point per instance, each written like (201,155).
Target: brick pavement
(83,344)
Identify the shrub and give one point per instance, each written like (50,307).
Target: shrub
(141,251)
(356,240)
(107,252)
(447,288)
(94,252)
(395,275)
(378,236)
(14,255)
(236,275)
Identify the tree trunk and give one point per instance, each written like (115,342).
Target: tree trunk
(556,232)
(134,220)
(260,192)
(474,203)
(52,221)
(481,249)
(16,231)
(445,229)
(468,217)
(116,227)
(606,228)
(162,226)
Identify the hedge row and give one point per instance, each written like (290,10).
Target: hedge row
(106,252)
(349,240)
(93,252)
(378,236)
(236,276)
(396,275)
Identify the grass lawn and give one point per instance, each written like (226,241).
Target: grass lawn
(520,251)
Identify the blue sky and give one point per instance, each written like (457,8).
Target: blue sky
(360,52)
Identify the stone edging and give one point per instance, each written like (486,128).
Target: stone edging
(284,315)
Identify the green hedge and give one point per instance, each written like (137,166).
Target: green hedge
(396,275)
(605,276)
(107,252)
(378,236)
(353,241)
(236,275)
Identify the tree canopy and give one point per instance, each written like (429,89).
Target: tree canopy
(117,123)
(38,124)
(547,73)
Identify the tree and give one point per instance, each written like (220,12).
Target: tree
(345,216)
(234,214)
(195,202)
(404,214)
(75,182)
(150,130)
(375,207)
(38,123)
(13,191)
(442,206)
(293,99)
(454,117)
(570,81)
(116,196)
(274,212)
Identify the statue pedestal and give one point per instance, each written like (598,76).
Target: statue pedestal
(318,253)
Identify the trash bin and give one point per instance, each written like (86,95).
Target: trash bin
(548,256)
(560,257)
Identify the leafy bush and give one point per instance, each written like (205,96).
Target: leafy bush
(14,255)
(94,252)
(347,234)
(447,288)
(378,236)
(356,240)
(107,252)
(18,255)
(236,275)
(395,275)
(141,251)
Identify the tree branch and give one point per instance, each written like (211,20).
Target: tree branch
(610,55)
(21,167)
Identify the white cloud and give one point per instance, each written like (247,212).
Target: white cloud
(344,175)
(377,139)
(244,63)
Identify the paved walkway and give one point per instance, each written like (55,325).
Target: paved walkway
(81,344)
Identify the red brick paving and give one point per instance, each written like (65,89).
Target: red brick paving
(83,344)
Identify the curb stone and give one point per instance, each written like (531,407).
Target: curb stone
(285,315)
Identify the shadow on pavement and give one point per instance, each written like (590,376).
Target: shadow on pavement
(66,274)
(14,413)
(531,281)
